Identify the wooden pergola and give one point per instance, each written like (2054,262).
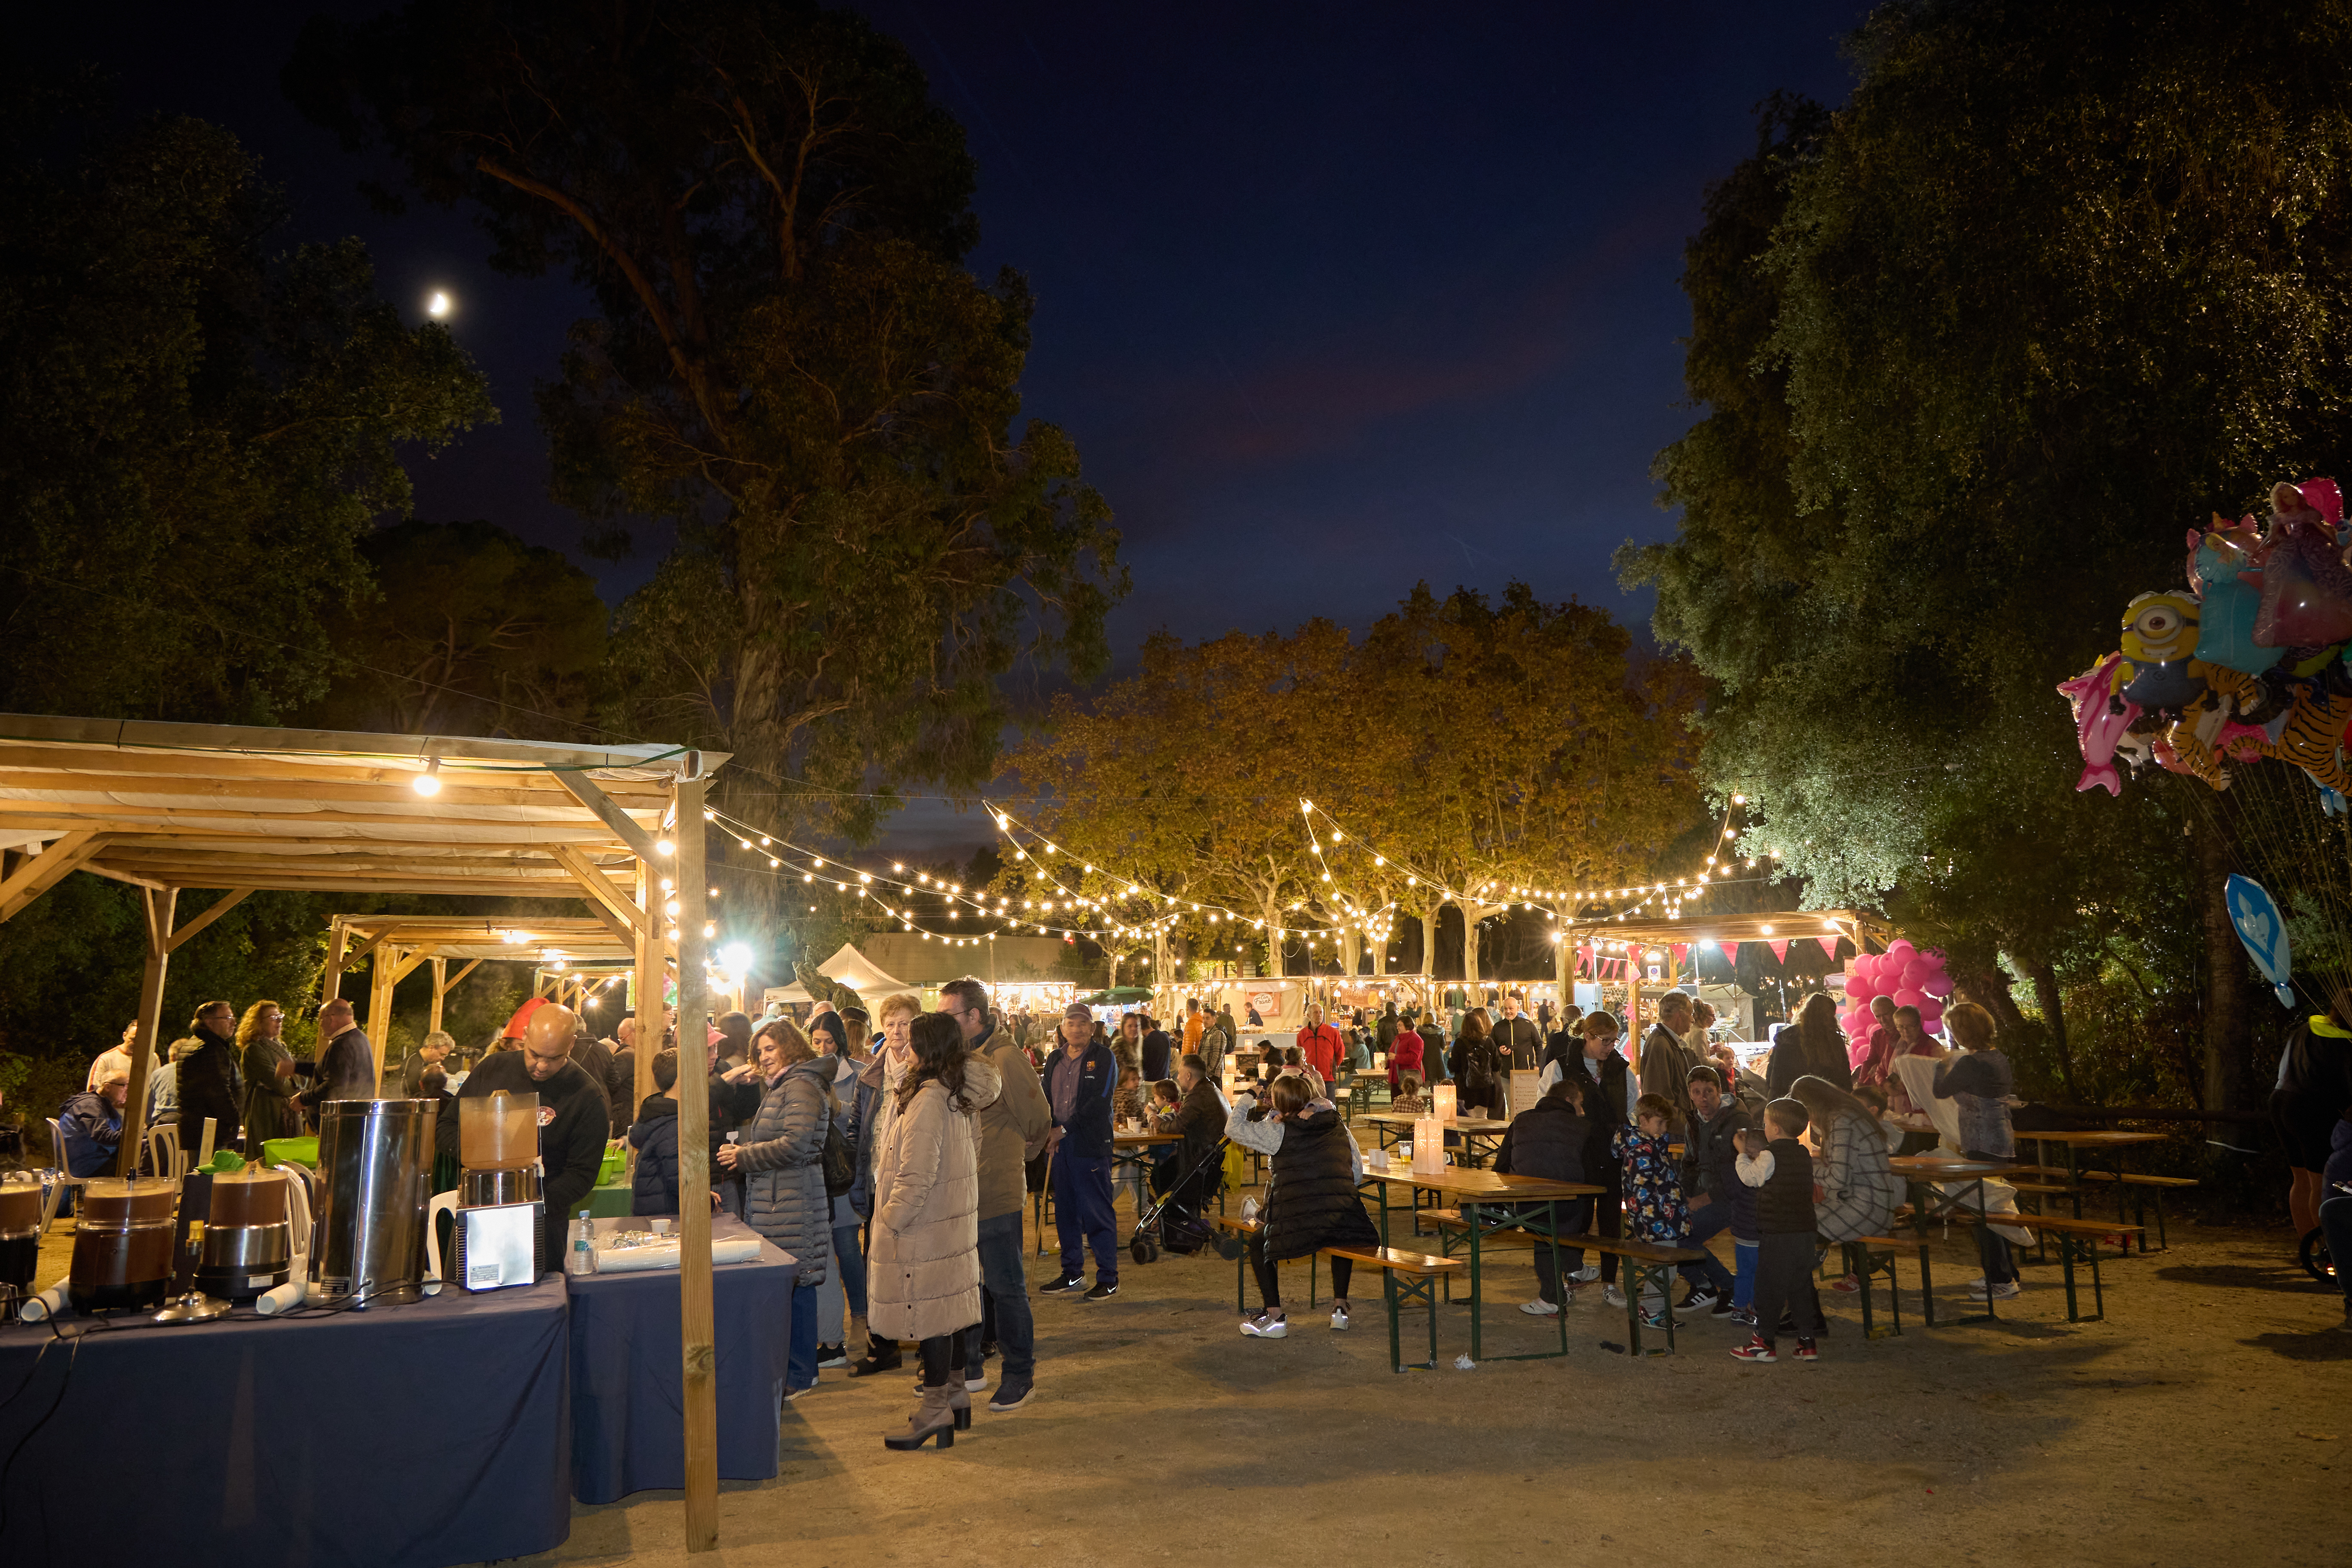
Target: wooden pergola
(165,808)
(397,945)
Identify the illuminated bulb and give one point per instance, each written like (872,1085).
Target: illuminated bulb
(429,783)
(709,931)
(664,846)
(772,861)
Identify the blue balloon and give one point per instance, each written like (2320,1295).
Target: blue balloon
(2263,931)
(2225,634)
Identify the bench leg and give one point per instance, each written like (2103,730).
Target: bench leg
(2066,1245)
(1396,1352)
(1857,1263)
(2099,1293)
(2163,1244)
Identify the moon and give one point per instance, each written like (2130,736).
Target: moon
(439,305)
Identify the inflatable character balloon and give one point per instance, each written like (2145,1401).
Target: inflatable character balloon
(2306,591)
(2102,719)
(2160,641)
(2221,568)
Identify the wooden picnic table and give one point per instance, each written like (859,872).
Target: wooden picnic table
(2113,1146)
(1924,1170)
(1486,1199)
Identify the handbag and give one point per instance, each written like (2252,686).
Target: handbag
(840,1170)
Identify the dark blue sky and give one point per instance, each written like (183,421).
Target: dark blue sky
(1333,298)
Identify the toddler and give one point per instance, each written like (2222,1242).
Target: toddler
(1781,1172)
(1654,1210)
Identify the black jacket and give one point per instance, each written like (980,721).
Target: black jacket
(571,1145)
(1201,1118)
(1157,1057)
(344,1071)
(1710,1165)
(1784,1203)
(1547,1140)
(1088,1130)
(1562,1047)
(1608,1084)
(1476,1067)
(1519,1041)
(210,1085)
(653,1188)
(1311,1201)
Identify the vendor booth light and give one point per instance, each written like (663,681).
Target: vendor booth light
(429,783)
(664,846)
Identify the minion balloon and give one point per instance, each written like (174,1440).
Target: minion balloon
(2159,645)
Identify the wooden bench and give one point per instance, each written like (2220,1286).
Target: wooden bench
(1649,1266)
(1869,1255)
(2143,1190)
(2079,1238)
(1407,1278)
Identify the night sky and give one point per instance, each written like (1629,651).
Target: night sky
(1333,298)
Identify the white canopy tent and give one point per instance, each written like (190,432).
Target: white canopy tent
(852,968)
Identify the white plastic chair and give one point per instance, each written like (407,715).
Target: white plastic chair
(164,1154)
(56,1194)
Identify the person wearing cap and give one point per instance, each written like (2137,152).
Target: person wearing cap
(1080,1077)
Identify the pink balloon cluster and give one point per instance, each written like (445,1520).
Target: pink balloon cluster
(1912,978)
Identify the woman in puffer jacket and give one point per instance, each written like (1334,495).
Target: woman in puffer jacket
(781,1159)
(923,1262)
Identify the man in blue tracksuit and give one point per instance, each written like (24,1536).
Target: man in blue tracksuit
(1080,1078)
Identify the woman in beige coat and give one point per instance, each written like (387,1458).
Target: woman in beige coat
(923,1258)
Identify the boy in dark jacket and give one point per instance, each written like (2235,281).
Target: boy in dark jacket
(1781,1172)
(653,1188)
(1719,1199)
(1550,1140)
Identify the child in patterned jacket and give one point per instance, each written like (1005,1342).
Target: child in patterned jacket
(1654,1209)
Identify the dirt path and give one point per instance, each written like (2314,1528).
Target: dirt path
(2207,1419)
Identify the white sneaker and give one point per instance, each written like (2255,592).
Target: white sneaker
(1614,1296)
(1539,1309)
(1589,1273)
(1263,1327)
(1997,1293)
(1339,1319)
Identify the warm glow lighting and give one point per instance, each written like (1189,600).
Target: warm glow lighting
(664,846)
(737,956)
(429,783)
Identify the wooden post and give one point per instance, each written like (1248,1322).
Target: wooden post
(646,989)
(381,965)
(440,990)
(331,985)
(160,908)
(697,1349)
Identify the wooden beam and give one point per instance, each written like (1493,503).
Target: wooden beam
(158,908)
(645,987)
(407,965)
(440,991)
(346,745)
(584,790)
(116,874)
(194,791)
(330,984)
(454,980)
(379,1018)
(697,1353)
(221,905)
(38,874)
(608,898)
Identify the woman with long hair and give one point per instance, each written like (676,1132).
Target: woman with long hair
(1813,1044)
(1311,1202)
(923,1265)
(781,1161)
(268,1069)
(1478,1067)
(1860,1192)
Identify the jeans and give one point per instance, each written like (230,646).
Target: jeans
(800,1360)
(1004,1288)
(1709,1272)
(849,1264)
(1993,1251)
(1083,1216)
(1743,1284)
(1269,1277)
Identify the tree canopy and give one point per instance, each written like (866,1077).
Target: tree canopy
(1973,351)
(789,363)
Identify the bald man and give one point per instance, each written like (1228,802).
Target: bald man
(573,1117)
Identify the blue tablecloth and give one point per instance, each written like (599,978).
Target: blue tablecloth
(419,1435)
(628,1424)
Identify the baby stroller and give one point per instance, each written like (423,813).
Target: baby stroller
(1165,1226)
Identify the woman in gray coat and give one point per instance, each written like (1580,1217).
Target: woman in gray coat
(781,1159)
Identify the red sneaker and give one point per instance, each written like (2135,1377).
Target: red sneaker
(1806,1351)
(1756,1349)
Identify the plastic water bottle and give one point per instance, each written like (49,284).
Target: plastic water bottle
(583,1260)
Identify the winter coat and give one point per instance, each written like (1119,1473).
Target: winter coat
(1519,1041)
(1605,1093)
(1404,1054)
(1710,1161)
(1547,1140)
(1981,1081)
(209,1086)
(781,1156)
(864,1132)
(270,1108)
(1012,1129)
(923,1262)
(1654,1187)
(1320,1047)
(1784,1201)
(1154,1059)
(1666,1067)
(93,1129)
(345,1070)
(1311,1201)
(653,1186)
(1200,1118)
(1860,1192)
(1087,1134)
(1477,1068)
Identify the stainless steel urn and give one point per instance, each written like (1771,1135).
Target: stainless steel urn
(375,1175)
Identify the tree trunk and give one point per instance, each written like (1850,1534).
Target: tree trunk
(1429,915)
(1351,950)
(1984,983)
(2046,997)
(2225,967)
(1469,946)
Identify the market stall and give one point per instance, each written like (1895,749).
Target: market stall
(166,808)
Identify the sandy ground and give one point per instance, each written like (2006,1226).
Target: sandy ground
(2207,1419)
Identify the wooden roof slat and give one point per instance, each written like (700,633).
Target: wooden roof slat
(345,746)
(459,792)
